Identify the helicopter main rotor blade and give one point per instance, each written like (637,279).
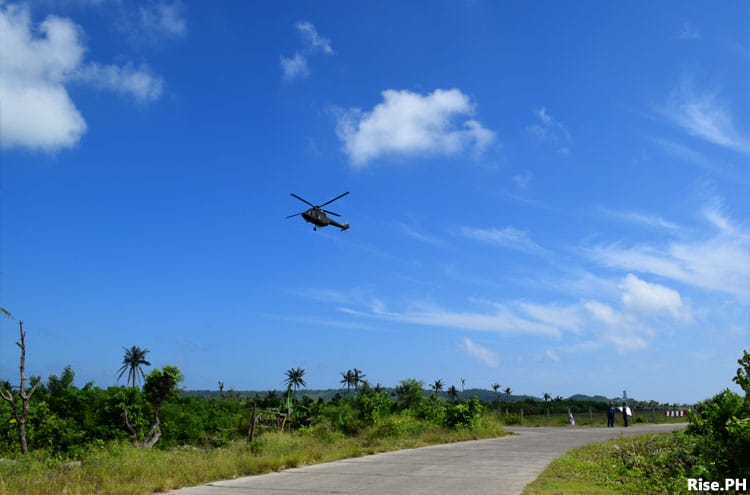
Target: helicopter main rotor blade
(334,199)
(332,213)
(303,200)
(290,216)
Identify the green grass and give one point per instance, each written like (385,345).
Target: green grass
(650,463)
(123,469)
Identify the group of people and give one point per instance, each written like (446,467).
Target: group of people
(611,414)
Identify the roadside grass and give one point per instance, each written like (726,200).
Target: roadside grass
(649,463)
(121,469)
(582,419)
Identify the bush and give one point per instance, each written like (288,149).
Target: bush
(721,429)
(463,415)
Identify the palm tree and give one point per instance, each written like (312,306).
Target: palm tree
(347,379)
(547,397)
(134,358)
(507,394)
(437,386)
(357,377)
(452,392)
(294,379)
(496,386)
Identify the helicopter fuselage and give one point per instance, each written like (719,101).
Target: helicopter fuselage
(317,217)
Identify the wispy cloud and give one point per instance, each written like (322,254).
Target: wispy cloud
(408,124)
(294,67)
(297,66)
(718,263)
(164,19)
(508,237)
(689,32)
(138,82)
(420,236)
(313,41)
(500,319)
(702,115)
(648,221)
(550,131)
(480,353)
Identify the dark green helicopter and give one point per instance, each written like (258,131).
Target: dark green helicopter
(317,215)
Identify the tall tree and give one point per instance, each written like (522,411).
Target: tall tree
(160,385)
(437,386)
(452,392)
(134,358)
(295,378)
(20,411)
(496,386)
(347,379)
(547,397)
(507,394)
(357,377)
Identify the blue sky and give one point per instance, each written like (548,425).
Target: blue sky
(548,197)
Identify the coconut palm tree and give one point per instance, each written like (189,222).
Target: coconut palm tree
(437,386)
(507,394)
(347,379)
(452,392)
(496,386)
(295,379)
(547,397)
(357,377)
(134,358)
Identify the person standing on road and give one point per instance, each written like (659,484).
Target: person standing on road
(610,415)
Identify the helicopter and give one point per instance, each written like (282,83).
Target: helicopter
(317,215)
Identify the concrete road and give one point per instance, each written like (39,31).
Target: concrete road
(498,466)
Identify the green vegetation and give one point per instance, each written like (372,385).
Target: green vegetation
(639,464)
(714,447)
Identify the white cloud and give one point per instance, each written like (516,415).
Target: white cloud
(507,237)
(313,40)
(164,19)
(295,67)
(37,111)
(139,83)
(717,264)
(411,124)
(704,117)
(641,296)
(480,353)
(550,131)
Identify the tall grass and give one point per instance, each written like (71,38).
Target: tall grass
(119,468)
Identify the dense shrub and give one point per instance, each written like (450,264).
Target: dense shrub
(463,415)
(721,429)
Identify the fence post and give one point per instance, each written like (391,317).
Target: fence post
(521,415)
(591,417)
(653,415)
(548,416)
(251,429)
